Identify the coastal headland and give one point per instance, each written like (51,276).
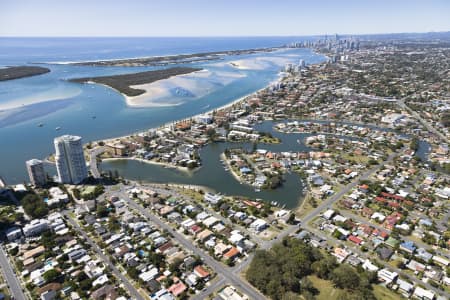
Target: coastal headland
(17,72)
(123,83)
(171,59)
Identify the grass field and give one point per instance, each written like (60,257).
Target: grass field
(329,292)
(325,287)
(384,293)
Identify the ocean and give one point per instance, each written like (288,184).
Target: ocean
(97,112)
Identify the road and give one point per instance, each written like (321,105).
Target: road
(425,123)
(10,277)
(218,283)
(334,242)
(379,227)
(330,201)
(230,276)
(93,161)
(208,210)
(131,289)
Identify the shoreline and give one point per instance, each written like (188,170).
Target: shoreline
(171,58)
(231,171)
(229,105)
(151,162)
(167,124)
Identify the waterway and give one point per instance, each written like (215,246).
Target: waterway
(213,175)
(96,112)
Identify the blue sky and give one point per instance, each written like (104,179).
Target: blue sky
(219,17)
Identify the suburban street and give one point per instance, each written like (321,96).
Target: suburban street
(130,288)
(330,201)
(230,276)
(427,125)
(335,243)
(210,211)
(10,277)
(217,283)
(375,225)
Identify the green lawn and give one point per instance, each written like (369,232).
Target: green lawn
(325,287)
(384,293)
(329,292)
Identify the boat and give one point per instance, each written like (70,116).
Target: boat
(57,128)
(257,190)
(40,124)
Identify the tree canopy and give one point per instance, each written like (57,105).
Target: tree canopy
(281,272)
(34,206)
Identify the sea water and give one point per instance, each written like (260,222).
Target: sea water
(97,112)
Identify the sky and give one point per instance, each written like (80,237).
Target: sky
(220,17)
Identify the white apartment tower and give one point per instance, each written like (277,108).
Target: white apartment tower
(35,169)
(70,162)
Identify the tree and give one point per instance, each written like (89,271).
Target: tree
(211,133)
(34,206)
(113,223)
(278,271)
(50,275)
(48,239)
(76,193)
(291,219)
(324,267)
(102,211)
(133,273)
(345,277)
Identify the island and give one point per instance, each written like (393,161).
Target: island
(172,59)
(123,83)
(10,73)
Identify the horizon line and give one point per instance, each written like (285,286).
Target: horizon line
(218,36)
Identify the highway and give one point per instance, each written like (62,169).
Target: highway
(131,289)
(10,277)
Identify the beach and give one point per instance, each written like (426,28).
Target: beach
(178,89)
(99,113)
(223,107)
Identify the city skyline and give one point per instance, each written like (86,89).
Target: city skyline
(223,18)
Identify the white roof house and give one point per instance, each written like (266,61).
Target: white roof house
(387,276)
(149,275)
(369,266)
(328,214)
(208,222)
(423,294)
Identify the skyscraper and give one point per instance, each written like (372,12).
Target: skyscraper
(70,162)
(35,169)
